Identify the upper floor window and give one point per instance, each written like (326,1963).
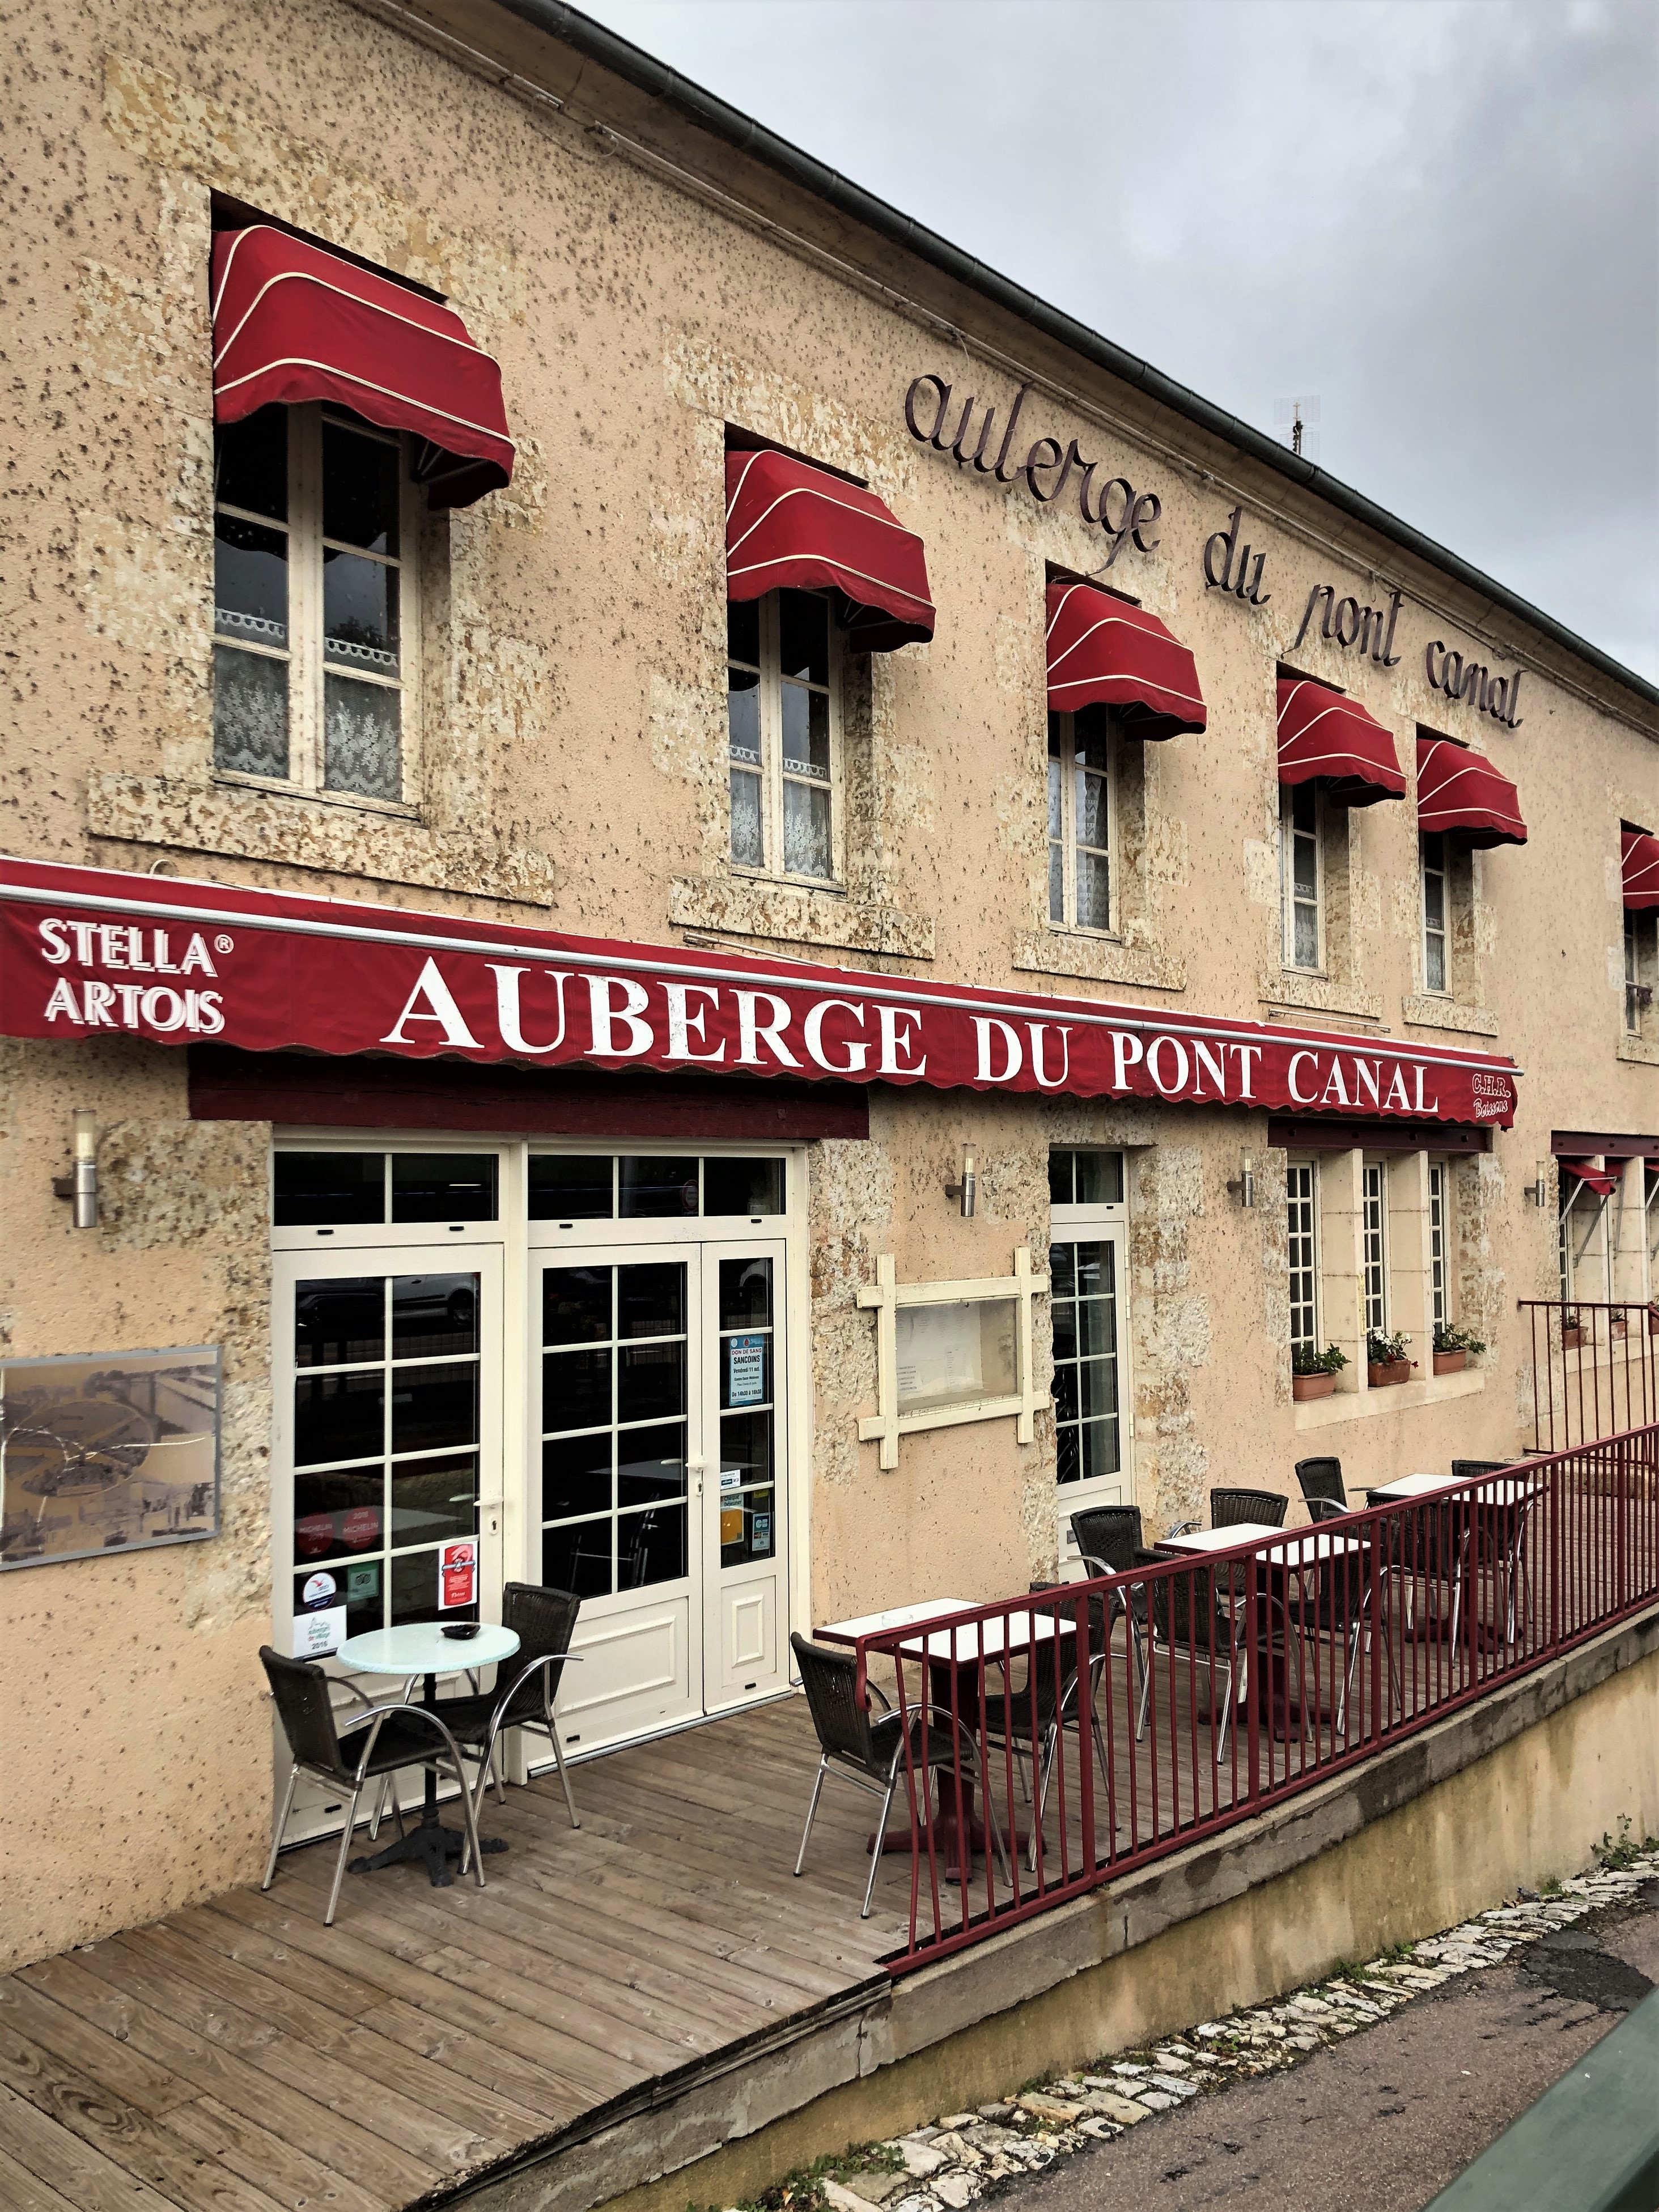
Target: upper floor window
(784,733)
(1301,1194)
(1641,969)
(1080,819)
(313,602)
(1302,874)
(1436,964)
(1439,1262)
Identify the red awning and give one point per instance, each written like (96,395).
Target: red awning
(293,322)
(791,525)
(92,953)
(1640,853)
(1102,652)
(1598,1178)
(1457,790)
(1322,734)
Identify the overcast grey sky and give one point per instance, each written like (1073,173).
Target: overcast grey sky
(1440,215)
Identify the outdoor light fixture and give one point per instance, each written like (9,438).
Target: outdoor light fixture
(1539,1189)
(1243,1186)
(966,1188)
(80,1185)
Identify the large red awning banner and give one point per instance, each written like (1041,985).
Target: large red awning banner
(789,526)
(1322,734)
(293,322)
(1103,652)
(1459,791)
(1640,854)
(88,953)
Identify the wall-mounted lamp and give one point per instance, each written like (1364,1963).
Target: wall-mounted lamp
(965,1189)
(1243,1186)
(1539,1189)
(80,1185)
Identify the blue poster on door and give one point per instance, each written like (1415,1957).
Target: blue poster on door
(745,1383)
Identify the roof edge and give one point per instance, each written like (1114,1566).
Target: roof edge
(721,120)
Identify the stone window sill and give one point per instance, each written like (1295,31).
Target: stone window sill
(748,906)
(1284,991)
(1426,1011)
(1644,1052)
(1092,959)
(1366,1404)
(254,821)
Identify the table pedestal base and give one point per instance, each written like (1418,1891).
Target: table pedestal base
(426,1844)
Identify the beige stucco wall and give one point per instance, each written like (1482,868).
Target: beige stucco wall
(573,775)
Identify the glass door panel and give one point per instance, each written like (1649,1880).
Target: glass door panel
(1089,1386)
(746,1557)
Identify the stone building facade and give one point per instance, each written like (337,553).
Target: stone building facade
(567,762)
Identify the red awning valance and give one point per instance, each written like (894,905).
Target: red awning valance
(1322,734)
(1595,1178)
(293,322)
(791,525)
(1103,652)
(92,953)
(1459,791)
(1640,856)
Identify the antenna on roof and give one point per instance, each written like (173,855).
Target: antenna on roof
(1296,424)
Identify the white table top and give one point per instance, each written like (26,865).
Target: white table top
(1501,1491)
(896,1616)
(1221,1540)
(421,1648)
(986,1640)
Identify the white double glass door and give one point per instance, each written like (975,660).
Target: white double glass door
(659,1439)
(1093,1407)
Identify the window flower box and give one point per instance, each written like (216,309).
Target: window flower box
(1304,1387)
(1453,1348)
(1382,1373)
(1450,1363)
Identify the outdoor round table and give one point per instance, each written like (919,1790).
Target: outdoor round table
(421,1648)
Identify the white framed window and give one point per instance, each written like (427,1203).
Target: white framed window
(783,719)
(1082,820)
(1302,1203)
(1301,869)
(950,1352)
(315,620)
(1439,1262)
(1436,956)
(1375,1237)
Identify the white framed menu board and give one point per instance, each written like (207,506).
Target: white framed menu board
(950,1352)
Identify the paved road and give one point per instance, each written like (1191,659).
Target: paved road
(1386,2118)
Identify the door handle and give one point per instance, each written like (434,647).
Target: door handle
(484,1504)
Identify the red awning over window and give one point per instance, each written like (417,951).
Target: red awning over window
(1457,790)
(789,526)
(1597,1179)
(293,322)
(1102,652)
(1641,853)
(1322,734)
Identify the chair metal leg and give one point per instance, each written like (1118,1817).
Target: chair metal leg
(1226,1709)
(1145,1698)
(812,1812)
(340,1863)
(470,1849)
(282,1822)
(876,1844)
(564,1772)
(495,1769)
(1045,1767)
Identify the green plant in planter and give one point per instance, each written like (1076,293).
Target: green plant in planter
(1452,1336)
(1387,1351)
(1304,1360)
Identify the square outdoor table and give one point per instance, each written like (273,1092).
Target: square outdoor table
(1298,1551)
(950,1652)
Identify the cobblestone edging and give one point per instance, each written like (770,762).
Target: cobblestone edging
(945,2166)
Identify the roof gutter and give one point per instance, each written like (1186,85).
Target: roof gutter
(741,131)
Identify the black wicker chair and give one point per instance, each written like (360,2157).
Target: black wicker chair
(394,1737)
(1495,1540)
(1185,1614)
(1338,1606)
(871,1753)
(1028,1719)
(1109,1538)
(543,1620)
(1228,1508)
(1322,1483)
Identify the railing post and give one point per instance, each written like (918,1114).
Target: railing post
(1252,1671)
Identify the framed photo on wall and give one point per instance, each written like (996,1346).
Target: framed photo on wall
(107,1451)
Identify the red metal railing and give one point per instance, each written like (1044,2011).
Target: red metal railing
(1194,1692)
(1594,1370)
